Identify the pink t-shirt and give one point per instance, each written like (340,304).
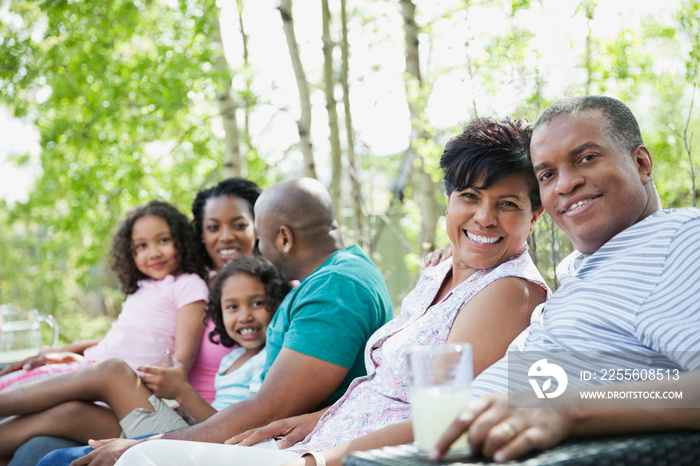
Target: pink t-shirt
(203,371)
(147,324)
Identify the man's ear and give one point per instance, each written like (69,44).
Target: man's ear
(642,159)
(535,215)
(285,239)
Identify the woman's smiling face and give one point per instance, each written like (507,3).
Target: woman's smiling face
(488,226)
(228,229)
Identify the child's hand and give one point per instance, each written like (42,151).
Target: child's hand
(41,359)
(165,382)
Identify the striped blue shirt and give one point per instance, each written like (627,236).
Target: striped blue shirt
(240,384)
(637,296)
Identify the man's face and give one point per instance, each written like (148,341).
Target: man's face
(267,235)
(591,187)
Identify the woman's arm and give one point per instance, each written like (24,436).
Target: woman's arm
(189,333)
(395,434)
(492,319)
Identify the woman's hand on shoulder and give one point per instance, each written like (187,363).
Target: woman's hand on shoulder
(498,431)
(289,431)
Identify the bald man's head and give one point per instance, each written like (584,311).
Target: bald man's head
(296,227)
(301,204)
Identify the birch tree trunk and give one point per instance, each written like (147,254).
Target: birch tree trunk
(331,107)
(247,101)
(688,145)
(589,9)
(304,122)
(233,164)
(471,66)
(353,166)
(414,87)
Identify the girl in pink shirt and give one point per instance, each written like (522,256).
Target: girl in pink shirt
(155,257)
(244,297)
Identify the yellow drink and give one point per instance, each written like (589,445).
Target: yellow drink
(433,409)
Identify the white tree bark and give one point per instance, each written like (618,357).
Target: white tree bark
(426,239)
(233,164)
(353,166)
(304,122)
(331,107)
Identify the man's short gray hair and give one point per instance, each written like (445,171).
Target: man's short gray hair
(622,126)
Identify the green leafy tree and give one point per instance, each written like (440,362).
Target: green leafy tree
(123,93)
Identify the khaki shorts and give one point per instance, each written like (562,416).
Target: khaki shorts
(142,421)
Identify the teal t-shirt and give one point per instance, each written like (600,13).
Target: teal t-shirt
(332,314)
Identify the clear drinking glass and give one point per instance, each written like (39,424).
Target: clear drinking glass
(439,389)
(20,332)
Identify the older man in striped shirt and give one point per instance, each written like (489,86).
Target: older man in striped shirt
(629,300)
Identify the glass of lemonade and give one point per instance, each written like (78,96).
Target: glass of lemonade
(439,388)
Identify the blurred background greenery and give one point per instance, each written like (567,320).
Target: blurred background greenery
(124,101)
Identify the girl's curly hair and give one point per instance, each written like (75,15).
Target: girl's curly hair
(185,239)
(256,266)
(230,187)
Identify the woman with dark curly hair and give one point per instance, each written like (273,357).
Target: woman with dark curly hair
(155,257)
(244,297)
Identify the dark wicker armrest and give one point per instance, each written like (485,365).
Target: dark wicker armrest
(670,448)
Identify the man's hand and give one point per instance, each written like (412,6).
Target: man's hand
(503,433)
(292,430)
(106,452)
(60,357)
(439,255)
